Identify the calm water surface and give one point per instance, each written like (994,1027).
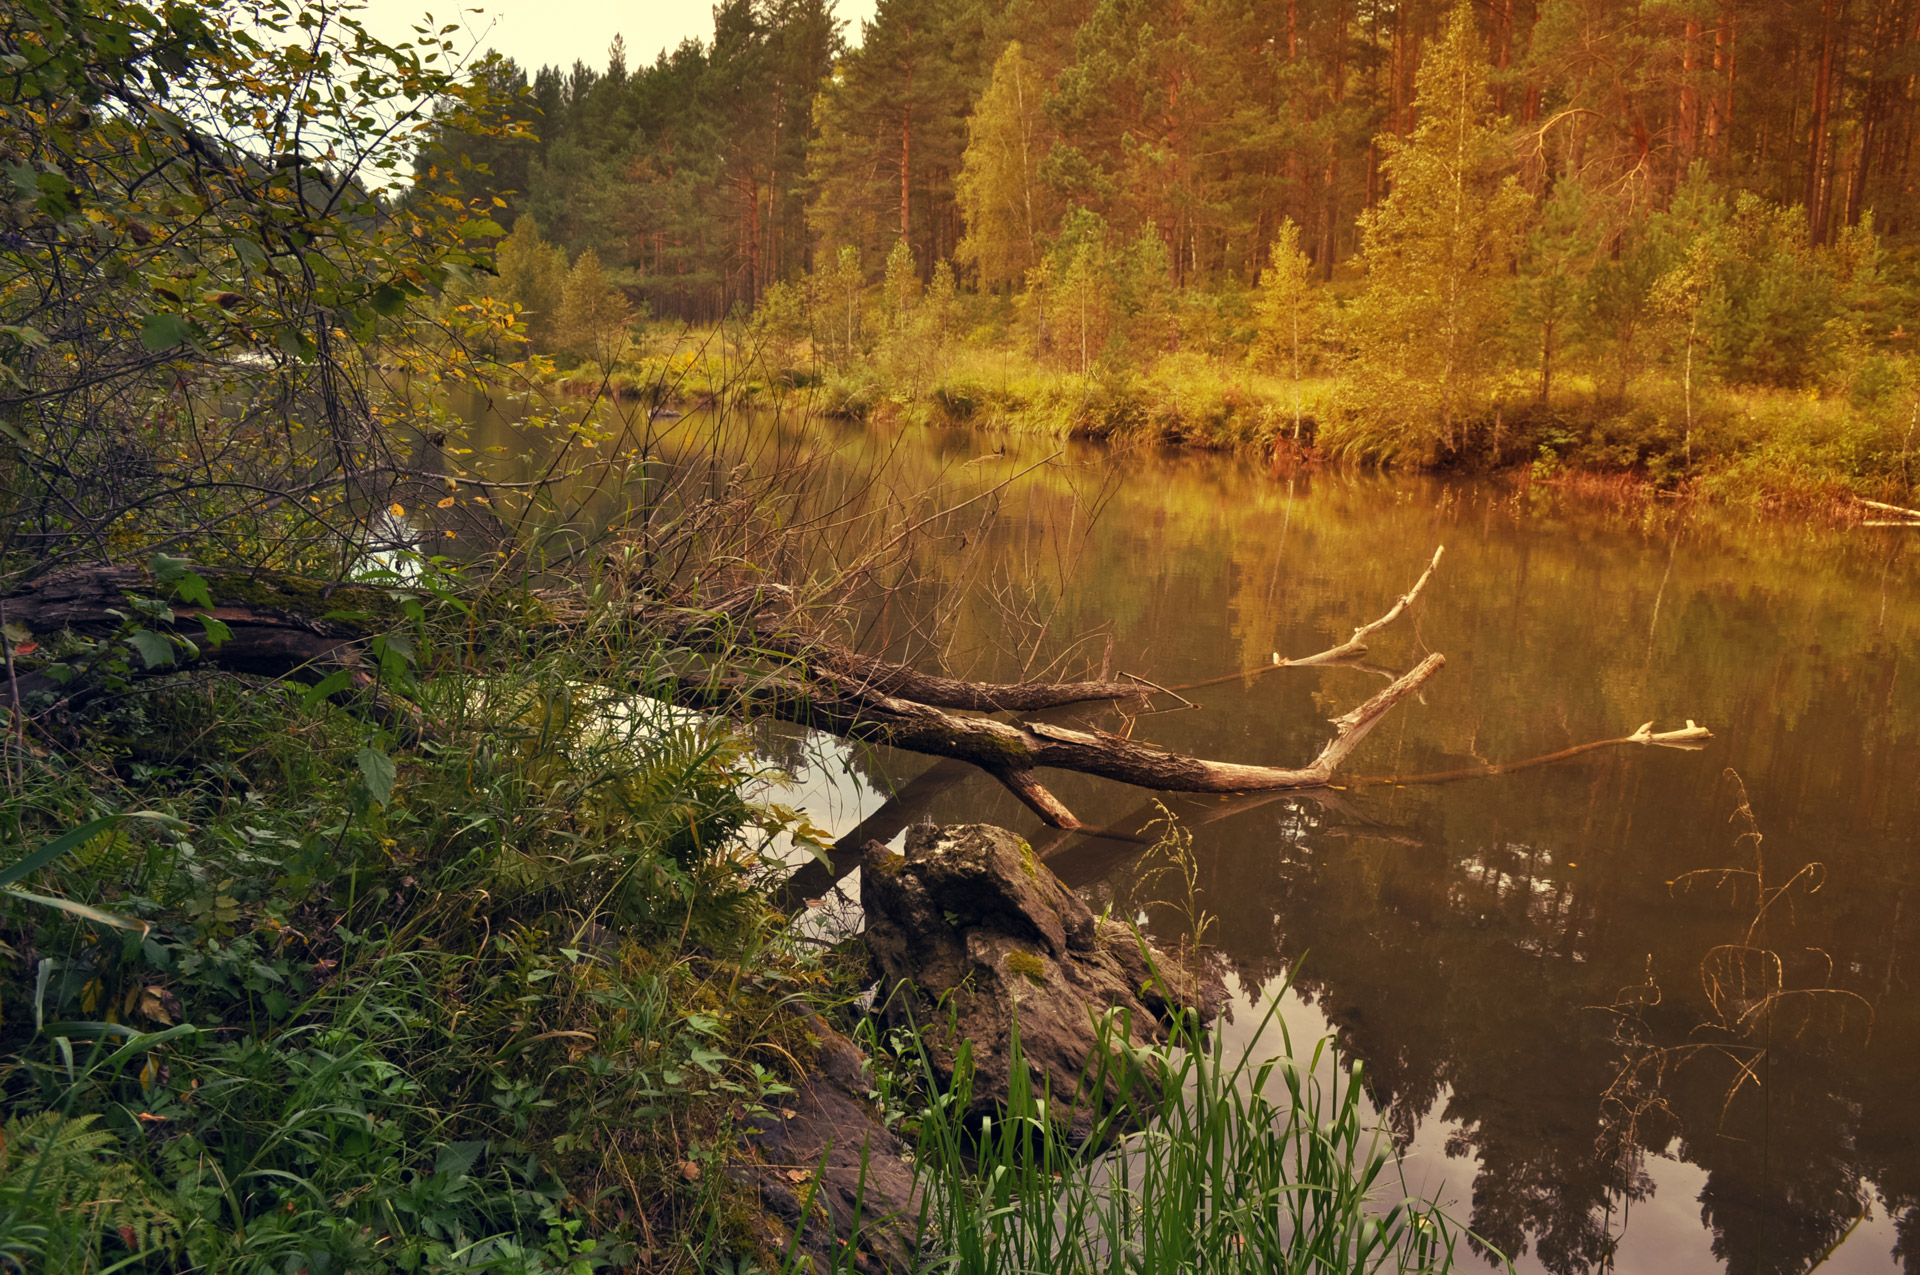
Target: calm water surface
(1648,1009)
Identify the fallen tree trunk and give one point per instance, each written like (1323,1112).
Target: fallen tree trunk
(746,654)
(279,626)
(1012,751)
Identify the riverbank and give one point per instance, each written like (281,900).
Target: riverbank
(1787,452)
(308,982)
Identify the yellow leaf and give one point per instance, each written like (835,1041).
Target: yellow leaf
(397,509)
(445,504)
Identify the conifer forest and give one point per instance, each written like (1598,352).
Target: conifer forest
(1077,636)
(1667,240)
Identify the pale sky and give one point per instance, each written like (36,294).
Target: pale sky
(536,32)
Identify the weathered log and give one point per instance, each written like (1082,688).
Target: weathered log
(1013,750)
(286,626)
(1910,517)
(281,626)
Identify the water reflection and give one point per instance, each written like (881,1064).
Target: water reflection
(1475,942)
(1501,951)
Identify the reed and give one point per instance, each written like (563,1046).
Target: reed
(1201,1158)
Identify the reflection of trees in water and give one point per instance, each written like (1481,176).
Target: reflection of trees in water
(1456,946)
(1461,963)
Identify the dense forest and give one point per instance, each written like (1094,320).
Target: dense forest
(1575,204)
(972,129)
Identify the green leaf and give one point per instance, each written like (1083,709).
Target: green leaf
(456,1159)
(388,301)
(187,585)
(332,684)
(78,837)
(164,330)
(377,769)
(82,911)
(295,344)
(153,647)
(217,630)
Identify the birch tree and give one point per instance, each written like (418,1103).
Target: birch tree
(1288,309)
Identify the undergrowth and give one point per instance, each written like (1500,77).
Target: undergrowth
(498,987)
(341,1000)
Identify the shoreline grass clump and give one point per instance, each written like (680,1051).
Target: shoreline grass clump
(1201,1157)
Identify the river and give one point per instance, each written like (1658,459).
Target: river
(1648,1009)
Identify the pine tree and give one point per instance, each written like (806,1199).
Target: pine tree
(1435,251)
(890,127)
(1146,293)
(1559,252)
(1289,307)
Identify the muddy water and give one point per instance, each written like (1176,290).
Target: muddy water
(1647,1009)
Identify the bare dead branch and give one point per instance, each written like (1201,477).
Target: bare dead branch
(1352,648)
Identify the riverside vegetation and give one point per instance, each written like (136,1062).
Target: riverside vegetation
(1565,237)
(453,950)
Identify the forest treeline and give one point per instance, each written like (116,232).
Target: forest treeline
(1433,229)
(972,128)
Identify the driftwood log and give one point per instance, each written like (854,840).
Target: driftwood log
(747,652)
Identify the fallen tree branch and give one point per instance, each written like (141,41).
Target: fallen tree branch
(1690,736)
(279,626)
(1052,811)
(285,626)
(1352,648)
(1910,517)
(1007,749)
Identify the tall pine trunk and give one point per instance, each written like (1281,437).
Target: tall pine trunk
(1819,141)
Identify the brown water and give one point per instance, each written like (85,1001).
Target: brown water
(1602,1061)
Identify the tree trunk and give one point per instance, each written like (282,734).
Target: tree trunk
(1689,93)
(1819,141)
(906,159)
(742,654)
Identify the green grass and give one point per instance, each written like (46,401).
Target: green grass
(1200,1158)
(469,1002)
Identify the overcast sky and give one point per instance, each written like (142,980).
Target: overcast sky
(536,32)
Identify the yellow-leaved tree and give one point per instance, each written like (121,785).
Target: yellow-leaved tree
(1436,250)
(533,275)
(1004,202)
(1288,310)
(595,318)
